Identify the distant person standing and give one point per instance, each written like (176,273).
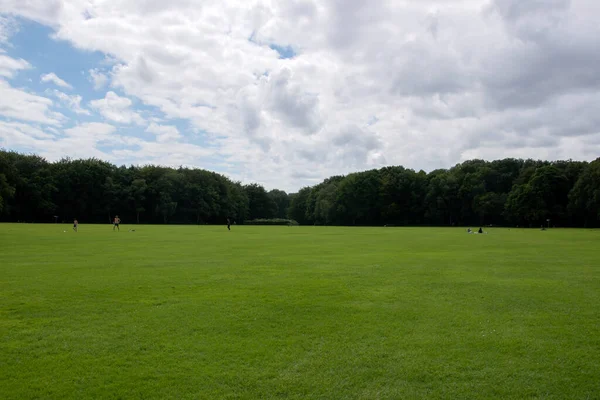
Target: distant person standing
(116,223)
(75,225)
(228,224)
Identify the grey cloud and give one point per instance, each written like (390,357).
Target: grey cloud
(531,76)
(248,110)
(143,70)
(356,137)
(249,113)
(566,116)
(554,54)
(250,118)
(262,142)
(420,69)
(532,19)
(302,8)
(592,140)
(516,9)
(316,155)
(433,25)
(514,140)
(445,107)
(305,175)
(343,139)
(353,146)
(573,115)
(350,20)
(298,107)
(507,137)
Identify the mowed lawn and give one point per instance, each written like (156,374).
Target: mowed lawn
(189,312)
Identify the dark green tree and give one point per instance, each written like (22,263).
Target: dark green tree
(584,199)
(509,191)
(111,196)
(282,202)
(6,191)
(298,205)
(137,195)
(260,204)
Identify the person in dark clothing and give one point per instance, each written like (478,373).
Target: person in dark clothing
(480,230)
(228,224)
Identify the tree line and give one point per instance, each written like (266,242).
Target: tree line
(509,192)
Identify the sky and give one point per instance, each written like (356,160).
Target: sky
(288,93)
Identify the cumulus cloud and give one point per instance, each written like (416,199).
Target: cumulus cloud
(117,109)
(164,153)
(164,133)
(91,129)
(13,132)
(10,66)
(288,100)
(73,102)
(8,27)
(79,141)
(20,105)
(532,20)
(424,84)
(53,78)
(98,78)
(45,11)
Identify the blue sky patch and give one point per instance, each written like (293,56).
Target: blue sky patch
(33,43)
(285,52)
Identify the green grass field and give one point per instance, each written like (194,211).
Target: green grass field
(188,312)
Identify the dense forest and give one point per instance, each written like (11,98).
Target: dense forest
(509,192)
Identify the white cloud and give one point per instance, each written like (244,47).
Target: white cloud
(9,66)
(52,77)
(73,102)
(77,142)
(90,139)
(91,129)
(11,130)
(424,84)
(8,27)
(45,11)
(117,109)
(20,105)
(167,153)
(80,141)
(98,78)
(164,133)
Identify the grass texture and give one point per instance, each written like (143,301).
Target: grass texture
(198,312)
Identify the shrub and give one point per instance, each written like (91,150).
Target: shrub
(274,221)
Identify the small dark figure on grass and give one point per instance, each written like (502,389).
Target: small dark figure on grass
(75,225)
(116,223)
(228,224)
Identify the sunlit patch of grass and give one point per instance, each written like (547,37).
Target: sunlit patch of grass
(298,312)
